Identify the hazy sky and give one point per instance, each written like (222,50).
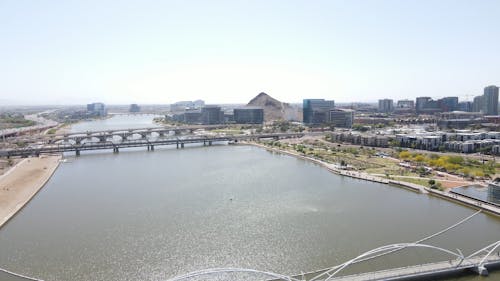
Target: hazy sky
(70,52)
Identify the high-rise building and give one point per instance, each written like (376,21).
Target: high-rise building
(477,105)
(490,100)
(316,111)
(249,115)
(385,105)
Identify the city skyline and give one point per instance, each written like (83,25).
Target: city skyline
(227,52)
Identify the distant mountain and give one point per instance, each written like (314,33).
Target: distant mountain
(273,108)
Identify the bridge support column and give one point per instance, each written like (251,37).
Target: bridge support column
(182,145)
(152,147)
(177,143)
(77,152)
(115,150)
(209,143)
(481,270)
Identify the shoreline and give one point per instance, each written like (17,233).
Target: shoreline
(455,198)
(22,182)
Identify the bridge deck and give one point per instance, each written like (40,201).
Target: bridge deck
(57,148)
(418,272)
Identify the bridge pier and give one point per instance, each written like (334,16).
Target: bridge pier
(481,270)
(209,143)
(77,152)
(115,149)
(152,147)
(182,145)
(177,144)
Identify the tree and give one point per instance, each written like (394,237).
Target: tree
(419,158)
(404,154)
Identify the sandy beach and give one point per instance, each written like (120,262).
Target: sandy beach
(22,182)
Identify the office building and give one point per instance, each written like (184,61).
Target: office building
(192,116)
(315,111)
(490,100)
(407,104)
(448,104)
(341,118)
(211,114)
(134,108)
(426,105)
(249,115)
(385,106)
(97,109)
(477,105)
(421,102)
(465,106)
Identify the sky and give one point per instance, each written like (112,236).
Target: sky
(154,52)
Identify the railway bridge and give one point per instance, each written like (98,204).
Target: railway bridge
(80,144)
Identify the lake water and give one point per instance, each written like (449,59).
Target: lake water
(141,215)
(488,194)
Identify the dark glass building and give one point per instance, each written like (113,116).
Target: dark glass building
(249,115)
(212,114)
(316,111)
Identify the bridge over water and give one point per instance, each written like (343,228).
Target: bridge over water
(90,142)
(106,134)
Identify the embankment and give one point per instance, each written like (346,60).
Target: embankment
(22,182)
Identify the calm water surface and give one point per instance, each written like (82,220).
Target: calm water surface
(489,194)
(117,122)
(152,215)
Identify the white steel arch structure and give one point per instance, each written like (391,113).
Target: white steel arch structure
(380,251)
(212,271)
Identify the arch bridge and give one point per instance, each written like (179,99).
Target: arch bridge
(87,143)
